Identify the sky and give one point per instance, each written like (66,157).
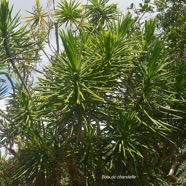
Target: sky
(28,4)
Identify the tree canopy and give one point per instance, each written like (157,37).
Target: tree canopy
(107,107)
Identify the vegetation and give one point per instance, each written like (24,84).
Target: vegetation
(107,107)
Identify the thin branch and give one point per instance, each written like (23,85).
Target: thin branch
(12,151)
(11,82)
(44,52)
(57,37)
(14,66)
(56,29)
(36,70)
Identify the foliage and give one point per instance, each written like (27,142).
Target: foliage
(111,101)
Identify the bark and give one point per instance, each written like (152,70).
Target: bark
(171,175)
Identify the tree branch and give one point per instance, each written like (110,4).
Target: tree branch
(171,176)
(14,66)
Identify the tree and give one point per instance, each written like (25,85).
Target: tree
(103,107)
(171,25)
(172,21)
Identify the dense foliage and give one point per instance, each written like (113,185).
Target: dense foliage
(108,105)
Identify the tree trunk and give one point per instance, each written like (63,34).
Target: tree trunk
(171,176)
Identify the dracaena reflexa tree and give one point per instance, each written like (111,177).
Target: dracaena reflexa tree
(103,105)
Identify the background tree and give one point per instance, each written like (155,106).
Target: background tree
(171,24)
